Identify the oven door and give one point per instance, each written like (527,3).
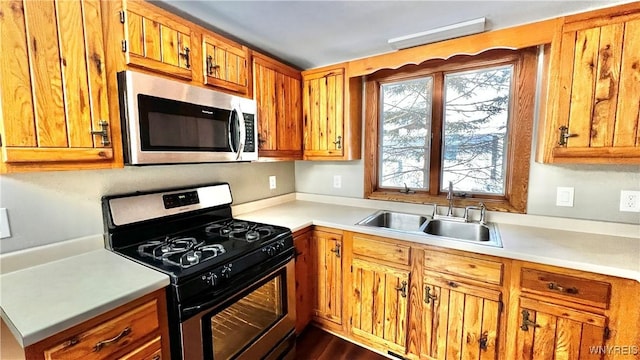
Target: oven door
(256,323)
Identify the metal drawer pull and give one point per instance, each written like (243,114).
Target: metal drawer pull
(403,289)
(555,286)
(115,339)
(185,55)
(211,67)
(526,322)
(338,142)
(564,135)
(104,133)
(428,296)
(157,357)
(336,250)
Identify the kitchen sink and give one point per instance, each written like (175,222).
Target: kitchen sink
(485,234)
(395,221)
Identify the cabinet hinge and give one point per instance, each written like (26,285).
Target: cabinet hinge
(122,16)
(607,333)
(124,45)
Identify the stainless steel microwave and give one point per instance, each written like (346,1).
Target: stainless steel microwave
(167,122)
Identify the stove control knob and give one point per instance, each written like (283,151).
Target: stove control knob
(210,279)
(270,250)
(226,271)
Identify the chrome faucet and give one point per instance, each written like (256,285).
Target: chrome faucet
(407,190)
(450,198)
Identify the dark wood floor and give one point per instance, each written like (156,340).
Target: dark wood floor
(315,344)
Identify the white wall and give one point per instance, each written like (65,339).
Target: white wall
(47,207)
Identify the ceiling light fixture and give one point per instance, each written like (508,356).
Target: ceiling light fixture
(438,34)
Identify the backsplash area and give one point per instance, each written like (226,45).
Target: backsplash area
(596,187)
(48,207)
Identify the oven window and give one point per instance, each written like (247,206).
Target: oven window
(238,325)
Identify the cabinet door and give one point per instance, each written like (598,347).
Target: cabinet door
(304,295)
(327,276)
(598,92)
(225,64)
(459,320)
(157,41)
(53,89)
(549,331)
(323,114)
(379,304)
(278,92)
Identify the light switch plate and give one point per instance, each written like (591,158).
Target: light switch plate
(564,196)
(272,182)
(5,230)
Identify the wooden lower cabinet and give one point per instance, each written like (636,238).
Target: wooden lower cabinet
(326,248)
(459,321)
(551,331)
(379,304)
(304,288)
(135,331)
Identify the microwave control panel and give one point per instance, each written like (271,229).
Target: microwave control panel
(249,125)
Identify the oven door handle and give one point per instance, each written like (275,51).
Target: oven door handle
(194,309)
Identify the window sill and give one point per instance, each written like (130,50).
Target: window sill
(423,198)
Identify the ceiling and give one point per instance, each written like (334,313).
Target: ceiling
(310,34)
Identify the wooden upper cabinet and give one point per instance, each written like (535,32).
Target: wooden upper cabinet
(225,64)
(53,90)
(327,251)
(330,104)
(593,114)
(278,93)
(156,40)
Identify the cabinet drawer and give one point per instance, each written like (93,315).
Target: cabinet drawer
(477,269)
(110,337)
(589,292)
(381,250)
(149,351)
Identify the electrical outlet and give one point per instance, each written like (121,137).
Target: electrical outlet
(630,201)
(5,230)
(564,196)
(272,182)
(337,181)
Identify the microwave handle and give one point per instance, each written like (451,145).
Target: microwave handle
(242,130)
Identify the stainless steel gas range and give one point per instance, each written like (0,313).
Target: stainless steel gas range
(232,282)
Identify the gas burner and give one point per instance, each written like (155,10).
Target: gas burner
(170,246)
(198,254)
(227,228)
(252,233)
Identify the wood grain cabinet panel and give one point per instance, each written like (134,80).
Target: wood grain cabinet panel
(595,91)
(225,64)
(53,90)
(327,251)
(331,116)
(304,288)
(586,291)
(379,304)
(459,321)
(549,331)
(156,42)
(278,94)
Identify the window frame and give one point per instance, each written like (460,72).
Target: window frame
(519,128)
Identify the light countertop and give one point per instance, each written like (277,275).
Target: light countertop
(39,301)
(587,251)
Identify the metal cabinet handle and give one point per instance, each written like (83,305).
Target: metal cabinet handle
(185,55)
(104,133)
(555,286)
(114,339)
(526,322)
(157,357)
(428,296)
(403,289)
(564,135)
(336,250)
(484,341)
(211,67)
(338,142)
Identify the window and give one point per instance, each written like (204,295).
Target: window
(466,120)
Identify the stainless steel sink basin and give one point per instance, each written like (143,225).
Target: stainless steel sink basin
(395,221)
(458,230)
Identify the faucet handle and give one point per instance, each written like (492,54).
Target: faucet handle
(480,207)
